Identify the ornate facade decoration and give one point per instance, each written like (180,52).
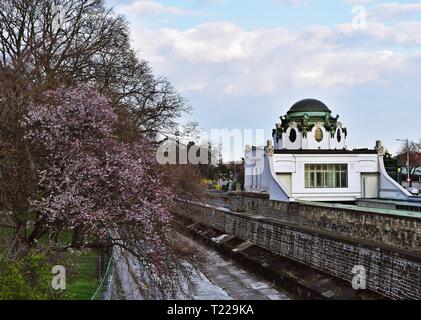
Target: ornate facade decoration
(312,120)
(309,160)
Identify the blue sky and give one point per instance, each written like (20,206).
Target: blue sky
(243,63)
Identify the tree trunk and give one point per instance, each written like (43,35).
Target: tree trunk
(78,238)
(38,231)
(20,244)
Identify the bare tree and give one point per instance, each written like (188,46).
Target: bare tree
(53,42)
(412,149)
(47,43)
(16,177)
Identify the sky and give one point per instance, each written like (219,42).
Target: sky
(241,64)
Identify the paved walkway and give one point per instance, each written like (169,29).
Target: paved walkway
(218,279)
(236,282)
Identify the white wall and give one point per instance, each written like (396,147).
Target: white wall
(309,142)
(312,142)
(260,177)
(370,185)
(286,142)
(334,144)
(294,164)
(389,188)
(283,176)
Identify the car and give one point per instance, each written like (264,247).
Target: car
(413,191)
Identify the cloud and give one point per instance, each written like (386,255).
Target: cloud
(211,1)
(404,34)
(154,7)
(358,2)
(221,57)
(345,68)
(388,11)
(288,2)
(252,75)
(394,11)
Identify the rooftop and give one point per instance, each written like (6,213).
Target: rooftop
(309,105)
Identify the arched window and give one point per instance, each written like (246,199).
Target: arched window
(338,135)
(318,135)
(292,135)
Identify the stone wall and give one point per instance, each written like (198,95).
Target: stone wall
(391,271)
(385,227)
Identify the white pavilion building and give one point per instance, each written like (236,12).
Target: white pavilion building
(309,160)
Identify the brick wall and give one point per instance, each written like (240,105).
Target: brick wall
(391,271)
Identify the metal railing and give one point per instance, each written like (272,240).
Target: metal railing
(103,292)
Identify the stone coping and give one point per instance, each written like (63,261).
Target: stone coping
(415,203)
(397,213)
(412,255)
(250,194)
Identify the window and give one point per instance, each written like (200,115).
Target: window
(338,135)
(292,135)
(318,135)
(326,175)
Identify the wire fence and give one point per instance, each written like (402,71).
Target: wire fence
(103,292)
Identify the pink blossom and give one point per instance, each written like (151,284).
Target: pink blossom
(90,179)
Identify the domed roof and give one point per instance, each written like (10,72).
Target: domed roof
(309,105)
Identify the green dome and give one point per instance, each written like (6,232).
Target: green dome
(309,105)
(307,113)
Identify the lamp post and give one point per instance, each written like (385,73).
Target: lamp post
(407,160)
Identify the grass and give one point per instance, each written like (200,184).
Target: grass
(81,267)
(83,280)
(82,275)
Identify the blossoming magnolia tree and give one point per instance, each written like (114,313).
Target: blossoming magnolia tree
(96,185)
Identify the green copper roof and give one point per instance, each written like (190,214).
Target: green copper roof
(309,105)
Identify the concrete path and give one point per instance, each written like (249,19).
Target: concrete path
(218,279)
(235,281)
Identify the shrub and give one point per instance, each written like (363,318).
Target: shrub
(26,278)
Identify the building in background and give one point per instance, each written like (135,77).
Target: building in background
(309,160)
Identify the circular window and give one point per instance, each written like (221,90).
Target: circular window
(292,135)
(318,135)
(338,135)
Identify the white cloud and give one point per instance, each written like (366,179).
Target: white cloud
(404,34)
(154,7)
(238,77)
(357,2)
(388,11)
(211,1)
(345,68)
(288,2)
(221,57)
(394,11)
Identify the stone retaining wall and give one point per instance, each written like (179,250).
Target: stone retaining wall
(358,223)
(391,271)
